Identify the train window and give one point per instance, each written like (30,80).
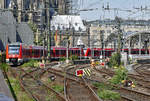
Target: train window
(13,49)
(63,52)
(78,52)
(37,52)
(89,53)
(23,51)
(143,52)
(74,51)
(95,53)
(57,52)
(41,52)
(32,52)
(27,52)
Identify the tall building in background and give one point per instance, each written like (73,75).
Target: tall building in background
(34,11)
(2,3)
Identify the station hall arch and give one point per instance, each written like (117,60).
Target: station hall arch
(139,40)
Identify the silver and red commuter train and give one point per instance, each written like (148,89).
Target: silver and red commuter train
(18,53)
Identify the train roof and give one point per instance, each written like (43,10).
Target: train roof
(74,48)
(60,48)
(15,43)
(64,48)
(37,47)
(108,49)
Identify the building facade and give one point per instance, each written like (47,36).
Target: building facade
(106,32)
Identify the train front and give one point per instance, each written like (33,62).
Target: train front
(14,54)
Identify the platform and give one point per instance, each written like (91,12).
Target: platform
(5,93)
(147,56)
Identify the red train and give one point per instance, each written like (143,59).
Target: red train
(106,52)
(58,52)
(18,53)
(97,52)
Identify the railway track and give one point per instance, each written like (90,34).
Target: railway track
(142,70)
(73,86)
(141,80)
(70,80)
(37,89)
(77,91)
(126,93)
(30,82)
(143,75)
(71,77)
(134,95)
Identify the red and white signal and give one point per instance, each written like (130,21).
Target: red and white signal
(79,72)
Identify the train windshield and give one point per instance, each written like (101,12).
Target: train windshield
(13,49)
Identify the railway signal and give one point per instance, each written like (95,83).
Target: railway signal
(79,72)
(42,65)
(87,72)
(83,72)
(102,64)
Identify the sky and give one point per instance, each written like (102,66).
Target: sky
(99,13)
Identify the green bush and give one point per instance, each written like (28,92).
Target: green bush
(62,59)
(0,58)
(102,86)
(73,57)
(120,74)
(108,95)
(4,67)
(3,58)
(115,60)
(21,96)
(104,91)
(31,63)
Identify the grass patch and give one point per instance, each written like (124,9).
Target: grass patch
(73,57)
(103,86)
(31,63)
(49,80)
(120,74)
(104,91)
(21,96)
(108,95)
(4,67)
(58,88)
(51,98)
(62,59)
